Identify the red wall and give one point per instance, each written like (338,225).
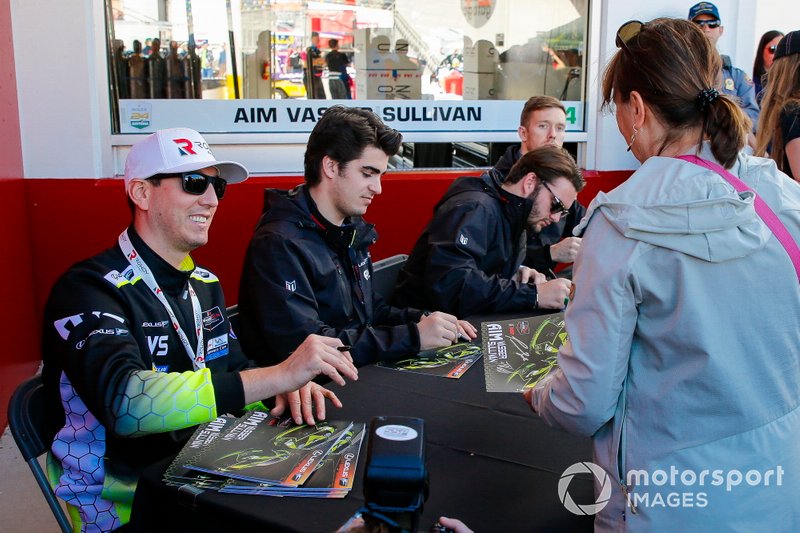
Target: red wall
(20,352)
(52,223)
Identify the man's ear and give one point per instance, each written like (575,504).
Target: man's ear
(523,134)
(140,193)
(330,167)
(529,183)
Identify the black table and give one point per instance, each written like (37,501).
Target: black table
(492,463)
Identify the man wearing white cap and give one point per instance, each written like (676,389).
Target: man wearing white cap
(137,345)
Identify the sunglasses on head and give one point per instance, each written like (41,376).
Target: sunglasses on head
(625,34)
(772,48)
(557,207)
(195,182)
(712,24)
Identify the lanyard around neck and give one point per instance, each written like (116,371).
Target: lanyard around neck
(141,269)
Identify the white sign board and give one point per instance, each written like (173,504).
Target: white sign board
(276,117)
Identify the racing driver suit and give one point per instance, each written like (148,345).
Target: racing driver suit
(118,381)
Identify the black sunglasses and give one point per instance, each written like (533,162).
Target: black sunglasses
(772,48)
(625,33)
(557,205)
(196,182)
(713,24)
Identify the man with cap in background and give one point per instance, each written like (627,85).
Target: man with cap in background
(137,345)
(735,81)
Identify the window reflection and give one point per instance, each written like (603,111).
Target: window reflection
(350,49)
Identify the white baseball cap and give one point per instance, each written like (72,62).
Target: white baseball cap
(176,150)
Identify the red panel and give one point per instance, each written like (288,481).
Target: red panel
(72,219)
(21,348)
(20,354)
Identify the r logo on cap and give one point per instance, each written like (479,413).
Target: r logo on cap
(186,147)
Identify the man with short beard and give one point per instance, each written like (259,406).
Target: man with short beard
(469,258)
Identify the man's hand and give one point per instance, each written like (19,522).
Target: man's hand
(316,355)
(528,275)
(301,401)
(566,250)
(436,330)
(554,294)
(467,331)
(455,524)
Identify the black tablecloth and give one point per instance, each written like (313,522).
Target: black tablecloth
(492,463)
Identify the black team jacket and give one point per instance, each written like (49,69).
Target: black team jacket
(465,259)
(303,275)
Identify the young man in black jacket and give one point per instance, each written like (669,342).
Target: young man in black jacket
(308,267)
(137,344)
(469,258)
(544,122)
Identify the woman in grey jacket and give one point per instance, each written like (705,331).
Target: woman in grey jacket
(684,355)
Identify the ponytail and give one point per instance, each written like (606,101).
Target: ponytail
(726,127)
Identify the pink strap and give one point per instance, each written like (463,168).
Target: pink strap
(767,215)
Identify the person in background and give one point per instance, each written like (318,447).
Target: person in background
(735,81)
(137,346)
(684,346)
(779,130)
(312,75)
(338,79)
(765,54)
(308,267)
(544,121)
(468,259)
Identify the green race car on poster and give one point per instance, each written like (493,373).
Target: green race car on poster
(519,353)
(450,361)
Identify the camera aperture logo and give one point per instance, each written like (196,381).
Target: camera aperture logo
(584,468)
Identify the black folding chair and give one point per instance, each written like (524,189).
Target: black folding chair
(233,317)
(384,275)
(27,423)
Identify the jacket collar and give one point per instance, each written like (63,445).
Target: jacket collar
(517,207)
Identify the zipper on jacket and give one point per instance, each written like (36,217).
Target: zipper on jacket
(626,490)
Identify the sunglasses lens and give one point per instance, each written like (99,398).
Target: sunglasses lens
(219,187)
(628,31)
(195,183)
(772,48)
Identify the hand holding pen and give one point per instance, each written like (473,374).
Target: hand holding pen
(554,294)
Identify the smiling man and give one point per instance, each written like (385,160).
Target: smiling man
(308,268)
(468,260)
(137,345)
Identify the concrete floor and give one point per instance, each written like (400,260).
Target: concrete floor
(22,506)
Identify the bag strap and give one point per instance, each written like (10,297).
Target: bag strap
(764,211)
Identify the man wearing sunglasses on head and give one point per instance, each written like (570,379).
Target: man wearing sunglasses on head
(137,345)
(544,121)
(468,259)
(735,81)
